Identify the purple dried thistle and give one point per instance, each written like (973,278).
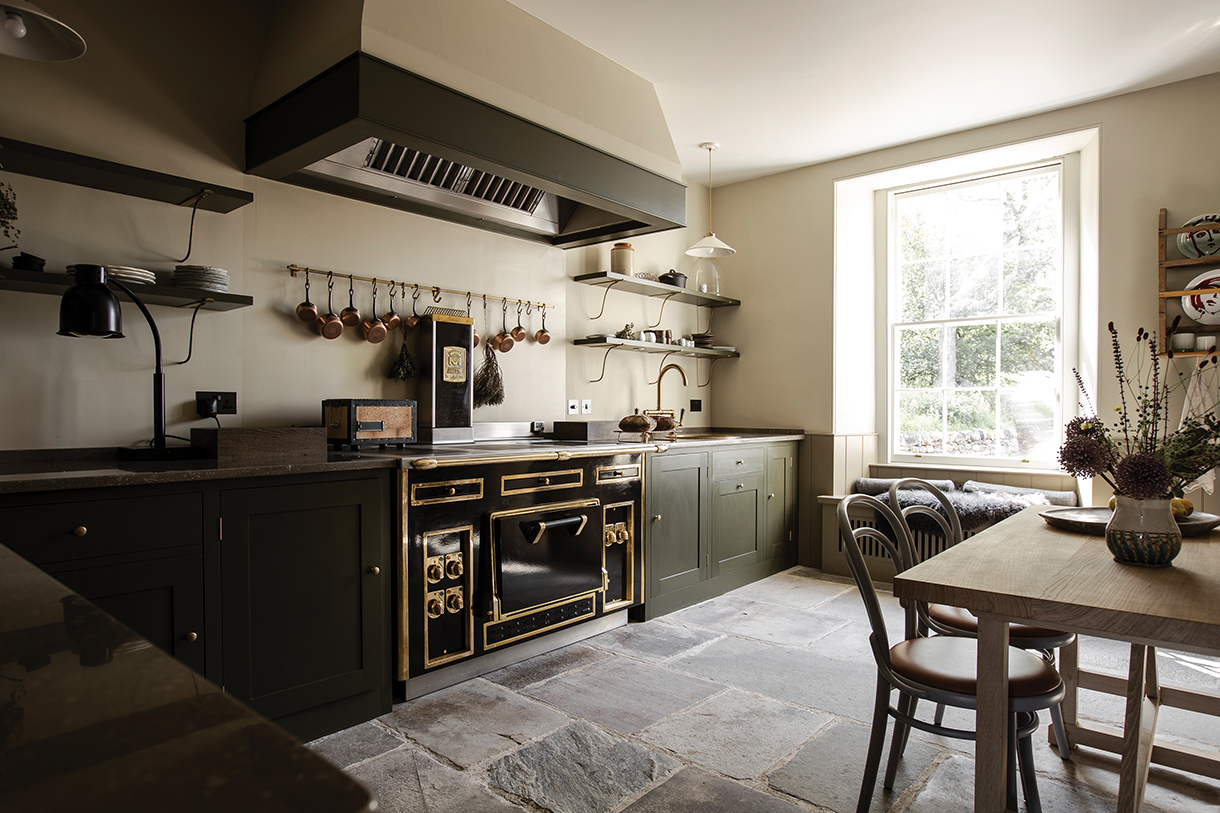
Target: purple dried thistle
(1142,477)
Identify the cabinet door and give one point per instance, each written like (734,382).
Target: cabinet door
(304,613)
(737,534)
(781,500)
(675,515)
(161,599)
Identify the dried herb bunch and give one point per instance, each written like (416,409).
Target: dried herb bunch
(1138,456)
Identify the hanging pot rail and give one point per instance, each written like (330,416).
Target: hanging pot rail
(436,291)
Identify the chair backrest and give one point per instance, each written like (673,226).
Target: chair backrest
(950,523)
(900,551)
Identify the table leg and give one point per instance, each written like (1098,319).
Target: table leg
(1069,670)
(1139,728)
(991,716)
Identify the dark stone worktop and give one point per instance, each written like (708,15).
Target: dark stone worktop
(59,469)
(139,731)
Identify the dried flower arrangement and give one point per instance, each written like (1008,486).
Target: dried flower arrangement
(1139,457)
(8,214)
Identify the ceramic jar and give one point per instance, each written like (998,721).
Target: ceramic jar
(1143,532)
(622,259)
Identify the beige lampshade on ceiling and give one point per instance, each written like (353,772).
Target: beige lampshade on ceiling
(710,245)
(28,32)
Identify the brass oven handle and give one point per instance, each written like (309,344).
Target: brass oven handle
(539,527)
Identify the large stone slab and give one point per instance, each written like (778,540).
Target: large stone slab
(546,666)
(473,721)
(760,620)
(623,695)
(354,744)
(408,781)
(951,787)
(829,770)
(654,641)
(802,676)
(579,769)
(735,733)
(691,790)
(799,587)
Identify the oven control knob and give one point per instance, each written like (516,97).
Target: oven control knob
(435,572)
(435,608)
(610,538)
(454,602)
(623,534)
(454,568)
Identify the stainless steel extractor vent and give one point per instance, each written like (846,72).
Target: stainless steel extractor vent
(427,169)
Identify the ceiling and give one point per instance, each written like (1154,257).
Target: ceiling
(786,83)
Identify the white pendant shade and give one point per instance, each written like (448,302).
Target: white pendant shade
(711,246)
(28,32)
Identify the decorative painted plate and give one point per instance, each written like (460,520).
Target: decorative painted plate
(1200,243)
(1094,520)
(1203,308)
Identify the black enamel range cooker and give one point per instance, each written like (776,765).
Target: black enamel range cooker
(504,548)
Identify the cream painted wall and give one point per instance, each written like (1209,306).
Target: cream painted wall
(1151,156)
(134,100)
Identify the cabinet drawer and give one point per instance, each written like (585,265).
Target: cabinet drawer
(61,532)
(541,481)
(738,460)
(449,491)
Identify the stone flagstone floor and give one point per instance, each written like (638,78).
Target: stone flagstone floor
(759,700)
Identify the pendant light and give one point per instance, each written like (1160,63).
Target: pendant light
(710,245)
(28,32)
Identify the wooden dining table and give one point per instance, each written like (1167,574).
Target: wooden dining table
(1023,569)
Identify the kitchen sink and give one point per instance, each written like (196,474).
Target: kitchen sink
(699,436)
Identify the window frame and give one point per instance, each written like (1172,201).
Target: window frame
(1066,321)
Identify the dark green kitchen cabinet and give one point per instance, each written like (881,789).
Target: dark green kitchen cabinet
(305,583)
(718,517)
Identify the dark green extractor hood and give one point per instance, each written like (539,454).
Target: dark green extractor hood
(368,130)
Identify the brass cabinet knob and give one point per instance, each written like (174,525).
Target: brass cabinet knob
(656,517)
(770,496)
(80,530)
(741,485)
(546,481)
(435,572)
(454,601)
(190,636)
(374,570)
(435,608)
(452,491)
(454,568)
(741,462)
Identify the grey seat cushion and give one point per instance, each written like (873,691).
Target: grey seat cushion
(880,485)
(1052,497)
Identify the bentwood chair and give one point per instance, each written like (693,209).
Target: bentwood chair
(941,670)
(957,621)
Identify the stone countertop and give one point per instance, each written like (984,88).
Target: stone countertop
(60,469)
(136,731)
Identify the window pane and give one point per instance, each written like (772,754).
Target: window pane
(971,411)
(921,229)
(975,220)
(974,356)
(974,286)
(919,358)
(1028,415)
(1031,281)
(919,422)
(1027,354)
(923,290)
(1031,211)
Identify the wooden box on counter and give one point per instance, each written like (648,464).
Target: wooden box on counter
(263,445)
(353,423)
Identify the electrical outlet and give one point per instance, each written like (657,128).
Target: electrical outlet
(586,406)
(573,406)
(696,405)
(209,404)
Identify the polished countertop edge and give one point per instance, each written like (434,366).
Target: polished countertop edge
(37,470)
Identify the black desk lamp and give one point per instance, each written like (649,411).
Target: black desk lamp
(89,309)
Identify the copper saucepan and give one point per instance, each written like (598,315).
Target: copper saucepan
(307,312)
(412,320)
(373,329)
(351,314)
(503,341)
(391,319)
(543,336)
(518,333)
(329,326)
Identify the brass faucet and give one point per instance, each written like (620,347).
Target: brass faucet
(667,412)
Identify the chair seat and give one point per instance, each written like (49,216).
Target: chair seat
(950,664)
(966,621)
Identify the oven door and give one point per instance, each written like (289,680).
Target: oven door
(545,555)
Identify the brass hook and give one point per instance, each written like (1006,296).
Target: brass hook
(436,294)
(469,298)
(529,308)
(519,310)
(330,281)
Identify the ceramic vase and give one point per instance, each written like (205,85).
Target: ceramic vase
(1143,532)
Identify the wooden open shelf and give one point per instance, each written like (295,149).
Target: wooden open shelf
(1164,265)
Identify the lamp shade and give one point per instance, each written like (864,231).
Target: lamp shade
(89,309)
(28,32)
(711,246)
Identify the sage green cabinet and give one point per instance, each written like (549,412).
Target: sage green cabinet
(719,517)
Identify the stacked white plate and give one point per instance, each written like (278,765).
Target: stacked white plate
(127,274)
(203,277)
